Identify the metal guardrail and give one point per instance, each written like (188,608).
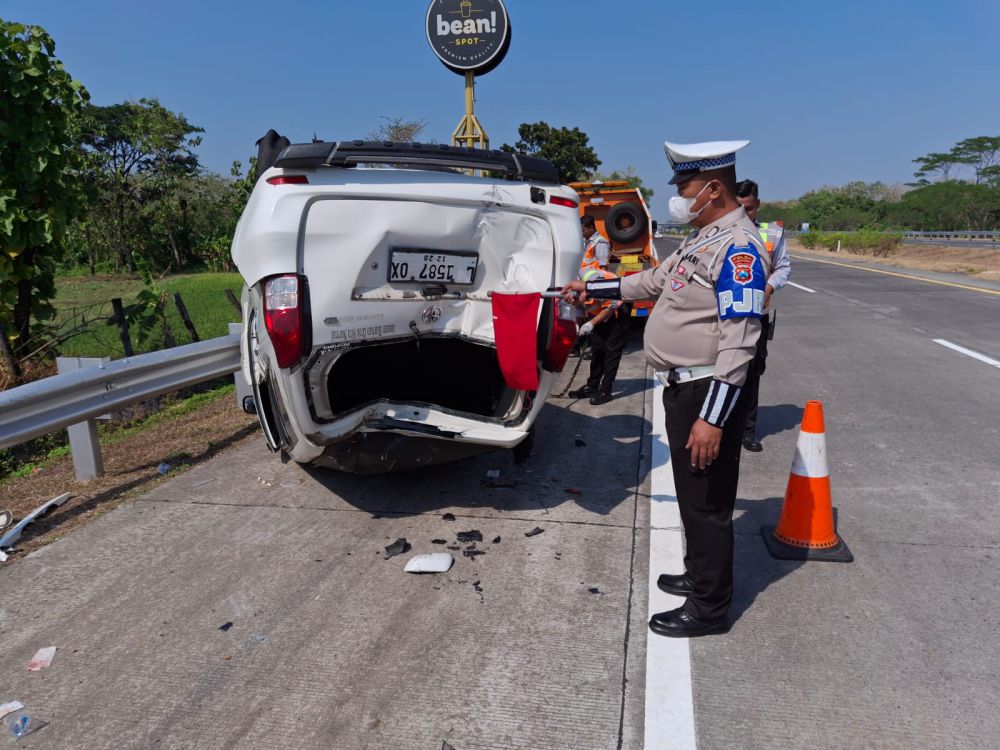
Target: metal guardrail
(71,398)
(995,236)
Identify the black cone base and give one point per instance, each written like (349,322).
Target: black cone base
(783,551)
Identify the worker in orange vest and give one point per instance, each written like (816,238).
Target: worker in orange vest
(597,250)
(607,326)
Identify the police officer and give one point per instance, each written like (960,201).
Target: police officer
(773,235)
(700,339)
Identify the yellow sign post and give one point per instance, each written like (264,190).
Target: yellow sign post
(470,132)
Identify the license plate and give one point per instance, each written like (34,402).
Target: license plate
(427,266)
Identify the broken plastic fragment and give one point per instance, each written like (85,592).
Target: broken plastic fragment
(224,627)
(454,547)
(5,518)
(594,590)
(497,540)
(534,532)
(475,535)
(476,586)
(10,538)
(448,517)
(10,707)
(3,556)
(439,541)
(398,547)
(42,658)
(436,562)
(163,468)
(473,553)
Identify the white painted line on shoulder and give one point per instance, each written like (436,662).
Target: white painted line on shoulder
(669,696)
(968,352)
(799,286)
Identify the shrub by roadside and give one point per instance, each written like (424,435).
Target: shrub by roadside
(880,244)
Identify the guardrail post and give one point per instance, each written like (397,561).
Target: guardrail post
(243,389)
(84,444)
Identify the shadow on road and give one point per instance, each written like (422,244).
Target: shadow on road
(772,420)
(601,471)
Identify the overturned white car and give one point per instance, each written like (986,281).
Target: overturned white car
(369,332)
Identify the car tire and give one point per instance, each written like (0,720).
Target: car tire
(625,236)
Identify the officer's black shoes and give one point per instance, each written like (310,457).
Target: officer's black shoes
(679,624)
(753,445)
(676,585)
(582,392)
(601,398)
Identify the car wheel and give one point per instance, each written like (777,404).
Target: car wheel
(625,235)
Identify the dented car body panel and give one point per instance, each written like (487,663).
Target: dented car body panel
(390,271)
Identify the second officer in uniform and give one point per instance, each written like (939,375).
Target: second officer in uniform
(700,339)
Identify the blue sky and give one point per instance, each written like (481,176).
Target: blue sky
(827,92)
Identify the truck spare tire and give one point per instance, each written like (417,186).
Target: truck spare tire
(618,226)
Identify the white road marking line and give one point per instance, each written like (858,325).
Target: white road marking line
(669,697)
(968,352)
(799,286)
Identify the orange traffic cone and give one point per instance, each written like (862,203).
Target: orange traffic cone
(805,530)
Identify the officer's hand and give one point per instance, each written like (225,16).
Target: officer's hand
(586,329)
(767,296)
(573,288)
(704,444)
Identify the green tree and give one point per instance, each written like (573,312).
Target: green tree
(569,150)
(40,187)
(139,152)
(949,206)
(630,176)
(398,130)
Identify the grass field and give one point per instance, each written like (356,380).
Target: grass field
(90,297)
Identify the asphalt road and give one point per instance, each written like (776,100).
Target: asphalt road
(333,646)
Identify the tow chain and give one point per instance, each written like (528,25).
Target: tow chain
(584,343)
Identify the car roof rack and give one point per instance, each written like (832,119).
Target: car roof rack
(434,155)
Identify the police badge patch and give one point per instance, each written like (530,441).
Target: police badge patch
(740,288)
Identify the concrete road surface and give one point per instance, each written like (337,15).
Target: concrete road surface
(541,642)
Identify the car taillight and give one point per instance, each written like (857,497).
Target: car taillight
(563,337)
(288,179)
(557,200)
(283,318)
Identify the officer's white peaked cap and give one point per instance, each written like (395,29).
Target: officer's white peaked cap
(688,159)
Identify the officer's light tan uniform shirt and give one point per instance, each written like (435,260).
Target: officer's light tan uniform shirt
(685,328)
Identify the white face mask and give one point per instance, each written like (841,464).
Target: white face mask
(680,208)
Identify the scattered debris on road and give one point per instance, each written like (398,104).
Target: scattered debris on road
(448,517)
(578,442)
(439,541)
(496,541)
(534,532)
(446,746)
(594,590)
(477,587)
(3,556)
(163,468)
(24,725)
(437,562)
(398,547)
(10,707)
(11,537)
(473,552)
(224,627)
(42,659)
(475,535)
(5,518)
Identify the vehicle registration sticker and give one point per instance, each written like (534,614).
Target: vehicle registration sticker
(452,267)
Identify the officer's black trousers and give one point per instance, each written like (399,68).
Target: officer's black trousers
(607,344)
(752,387)
(706,498)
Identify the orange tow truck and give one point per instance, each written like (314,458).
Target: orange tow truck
(622,216)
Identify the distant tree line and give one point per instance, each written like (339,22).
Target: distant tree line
(954,191)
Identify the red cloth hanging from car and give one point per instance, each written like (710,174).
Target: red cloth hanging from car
(515,318)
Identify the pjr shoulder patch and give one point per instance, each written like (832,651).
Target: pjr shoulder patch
(741,284)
